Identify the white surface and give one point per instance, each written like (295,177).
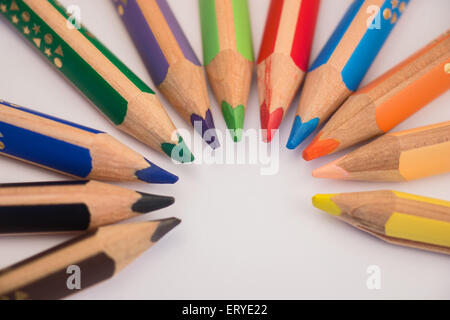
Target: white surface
(243,235)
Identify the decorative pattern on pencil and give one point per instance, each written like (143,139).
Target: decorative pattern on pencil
(343,62)
(228,57)
(395,217)
(283,58)
(387,101)
(170,60)
(67,206)
(72,149)
(99,255)
(124,98)
(397,156)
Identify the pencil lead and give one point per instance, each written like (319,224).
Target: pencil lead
(234,118)
(324,202)
(330,171)
(164,227)
(151,202)
(319,148)
(270,122)
(206,128)
(300,131)
(178,152)
(154,174)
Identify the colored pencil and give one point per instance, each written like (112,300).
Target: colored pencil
(124,98)
(387,101)
(97,255)
(72,149)
(395,217)
(283,58)
(228,57)
(343,62)
(398,156)
(70,206)
(170,60)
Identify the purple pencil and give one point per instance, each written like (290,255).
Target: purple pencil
(170,60)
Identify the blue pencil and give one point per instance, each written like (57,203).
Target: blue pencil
(72,149)
(343,62)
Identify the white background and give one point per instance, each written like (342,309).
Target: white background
(244,235)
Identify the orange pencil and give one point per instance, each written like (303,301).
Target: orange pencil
(388,100)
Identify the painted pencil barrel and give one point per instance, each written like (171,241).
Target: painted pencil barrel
(393,216)
(93,257)
(68,206)
(228,56)
(71,149)
(284,57)
(125,99)
(397,156)
(388,100)
(170,59)
(343,62)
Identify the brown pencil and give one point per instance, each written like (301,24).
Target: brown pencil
(82,262)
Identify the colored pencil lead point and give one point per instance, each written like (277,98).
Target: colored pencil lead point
(164,227)
(178,152)
(324,202)
(318,148)
(151,202)
(300,131)
(330,171)
(234,118)
(270,122)
(206,128)
(154,174)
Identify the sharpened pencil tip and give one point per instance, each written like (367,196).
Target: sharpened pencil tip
(206,128)
(154,174)
(324,202)
(300,131)
(151,202)
(178,152)
(270,122)
(319,148)
(330,171)
(165,225)
(234,118)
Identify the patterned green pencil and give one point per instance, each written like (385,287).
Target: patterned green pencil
(125,99)
(228,56)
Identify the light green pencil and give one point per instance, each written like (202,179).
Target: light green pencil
(228,57)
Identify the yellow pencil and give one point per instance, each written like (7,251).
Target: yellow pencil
(395,217)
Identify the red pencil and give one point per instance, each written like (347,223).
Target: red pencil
(283,57)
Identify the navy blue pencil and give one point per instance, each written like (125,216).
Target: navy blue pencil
(72,149)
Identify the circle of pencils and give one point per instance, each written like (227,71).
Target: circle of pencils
(331,86)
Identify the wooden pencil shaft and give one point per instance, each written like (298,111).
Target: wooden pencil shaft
(70,206)
(97,256)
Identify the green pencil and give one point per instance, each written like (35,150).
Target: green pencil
(228,56)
